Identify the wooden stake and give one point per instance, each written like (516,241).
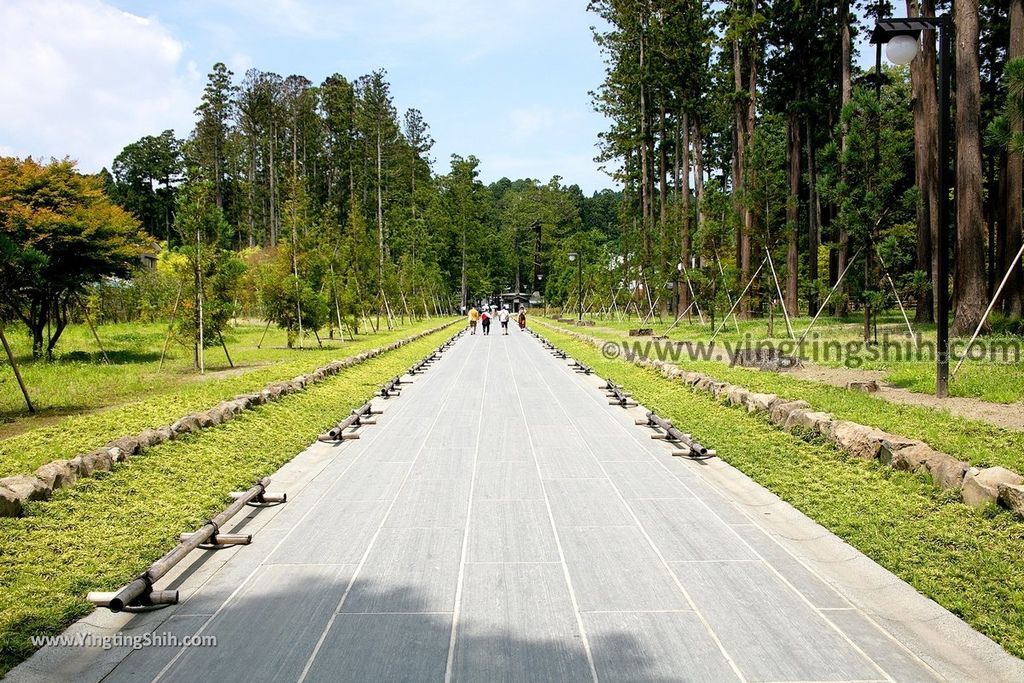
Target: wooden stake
(17,374)
(96,336)
(225,347)
(170,327)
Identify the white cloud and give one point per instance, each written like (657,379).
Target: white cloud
(82,78)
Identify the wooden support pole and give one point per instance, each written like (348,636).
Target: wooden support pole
(95,336)
(170,326)
(17,373)
(225,347)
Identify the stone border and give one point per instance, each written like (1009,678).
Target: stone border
(977,485)
(16,490)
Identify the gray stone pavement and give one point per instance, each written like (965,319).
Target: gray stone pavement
(503,522)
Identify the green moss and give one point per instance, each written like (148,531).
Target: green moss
(102,532)
(966,561)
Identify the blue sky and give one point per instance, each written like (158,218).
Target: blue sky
(507,81)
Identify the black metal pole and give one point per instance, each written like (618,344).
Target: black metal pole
(579,283)
(942,324)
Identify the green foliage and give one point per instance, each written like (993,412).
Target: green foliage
(211,274)
(147,173)
(59,233)
(88,537)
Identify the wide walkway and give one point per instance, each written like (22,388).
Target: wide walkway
(502,522)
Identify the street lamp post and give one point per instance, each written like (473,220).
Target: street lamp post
(900,38)
(679,292)
(573,256)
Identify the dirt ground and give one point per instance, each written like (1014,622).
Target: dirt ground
(1008,416)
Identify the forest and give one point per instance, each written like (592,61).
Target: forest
(744,133)
(762,170)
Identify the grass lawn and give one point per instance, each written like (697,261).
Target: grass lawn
(995,381)
(969,562)
(133,395)
(102,532)
(972,440)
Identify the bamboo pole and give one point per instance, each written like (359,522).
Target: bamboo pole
(142,587)
(17,373)
(839,281)
(778,290)
(899,301)
(88,320)
(738,299)
(225,347)
(170,326)
(981,323)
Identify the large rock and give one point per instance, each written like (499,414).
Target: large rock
(737,396)
(100,459)
(26,487)
(128,444)
(149,437)
(189,423)
(166,433)
(856,439)
(808,420)
(10,503)
(780,410)
(945,471)
(1012,496)
(116,454)
(891,445)
(57,474)
(981,486)
(759,403)
(80,467)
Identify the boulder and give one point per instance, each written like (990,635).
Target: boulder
(149,437)
(780,410)
(869,387)
(80,467)
(99,460)
(189,423)
(56,474)
(10,503)
(891,445)
(719,389)
(1012,496)
(166,433)
(759,402)
(946,471)
(808,420)
(737,396)
(856,439)
(128,444)
(116,454)
(981,486)
(26,487)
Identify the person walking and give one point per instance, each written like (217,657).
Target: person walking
(503,317)
(522,318)
(474,316)
(485,322)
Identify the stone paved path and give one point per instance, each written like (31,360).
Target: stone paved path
(502,522)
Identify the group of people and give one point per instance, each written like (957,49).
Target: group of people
(484,318)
